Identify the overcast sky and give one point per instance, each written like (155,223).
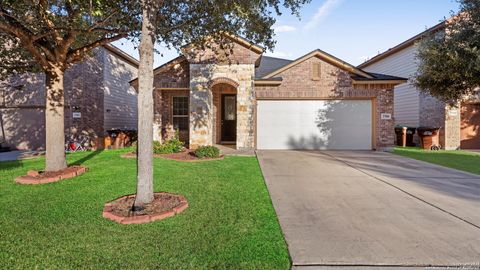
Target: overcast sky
(352,30)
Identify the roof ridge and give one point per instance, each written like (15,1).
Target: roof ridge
(402,45)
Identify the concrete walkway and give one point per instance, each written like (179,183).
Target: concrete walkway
(17,155)
(363,210)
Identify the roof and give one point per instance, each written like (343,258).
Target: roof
(269,64)
(324,56)
(243,41)
(125,56)
(379,77)
(269,67)
(404,44)
(177,59)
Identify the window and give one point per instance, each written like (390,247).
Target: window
(180,113)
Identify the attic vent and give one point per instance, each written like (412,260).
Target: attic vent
(316,71)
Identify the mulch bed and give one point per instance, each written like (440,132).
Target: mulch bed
(163,206)
(42,177)
(186,156)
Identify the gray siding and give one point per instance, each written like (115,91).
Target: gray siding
(406,96)
(120,99)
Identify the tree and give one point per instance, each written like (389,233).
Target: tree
(177,23)
(50,36)
(449,62)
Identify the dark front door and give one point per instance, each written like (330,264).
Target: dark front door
(229,118)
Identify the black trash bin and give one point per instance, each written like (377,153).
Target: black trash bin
(405,135)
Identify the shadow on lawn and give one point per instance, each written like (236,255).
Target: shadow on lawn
(86,158)
(11,164)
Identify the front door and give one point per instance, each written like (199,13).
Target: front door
(229,118)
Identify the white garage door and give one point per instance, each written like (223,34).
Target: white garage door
(314,124)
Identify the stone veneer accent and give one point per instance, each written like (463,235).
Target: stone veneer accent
(202,112)
(436,113)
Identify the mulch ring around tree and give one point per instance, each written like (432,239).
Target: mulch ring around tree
(42,177)
(185,156)
(164,205)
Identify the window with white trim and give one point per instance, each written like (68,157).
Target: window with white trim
(180,113)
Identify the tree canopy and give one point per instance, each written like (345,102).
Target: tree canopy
(449,61)
(39,34)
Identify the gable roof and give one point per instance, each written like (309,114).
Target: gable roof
(246,43)
(409,42)
(158,69)
(123,55)
(327,58)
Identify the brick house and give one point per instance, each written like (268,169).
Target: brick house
(460,124)
(252,101)
(98,98)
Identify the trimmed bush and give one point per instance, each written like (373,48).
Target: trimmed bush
(171,146)
(207,152)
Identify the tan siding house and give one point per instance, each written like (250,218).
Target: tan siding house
(460,126)
(406,96)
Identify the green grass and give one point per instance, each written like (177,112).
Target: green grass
(230,222)
(460,160)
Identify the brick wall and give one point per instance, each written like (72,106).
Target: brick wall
(334,83)
(25,101)
(173,75)
(163,125)
(232,53)
(435,113)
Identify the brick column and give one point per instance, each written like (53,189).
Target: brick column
(452,127)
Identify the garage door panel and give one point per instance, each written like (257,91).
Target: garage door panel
(314,124)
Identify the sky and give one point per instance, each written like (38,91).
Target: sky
(352,30)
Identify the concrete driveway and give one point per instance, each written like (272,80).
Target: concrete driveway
(362,209)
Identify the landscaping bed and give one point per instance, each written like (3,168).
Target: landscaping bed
(186,155)
(34,177)
(229,223)
(164,205)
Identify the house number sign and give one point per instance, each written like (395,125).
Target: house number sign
(76,115)
(386,116)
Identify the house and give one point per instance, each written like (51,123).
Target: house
(460,125)
(98,98)
(235,95)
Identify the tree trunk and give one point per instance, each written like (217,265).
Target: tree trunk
(145,110)
(54,121)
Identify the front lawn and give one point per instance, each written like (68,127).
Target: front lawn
(460,160)
(230,222)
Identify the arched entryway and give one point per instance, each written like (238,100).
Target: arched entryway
(224,93)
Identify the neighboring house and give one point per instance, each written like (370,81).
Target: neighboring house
(460,127)
(98,97)
(251,101)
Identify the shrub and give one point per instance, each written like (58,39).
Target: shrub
(171,146)
(207,152)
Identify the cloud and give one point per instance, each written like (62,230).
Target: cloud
(284,28)
(322,13)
